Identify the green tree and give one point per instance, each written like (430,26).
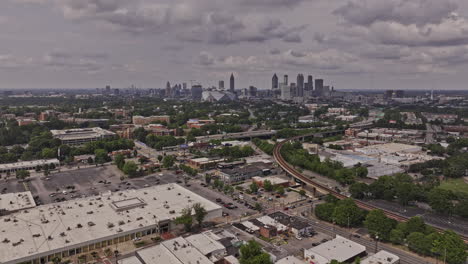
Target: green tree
(253,187)
(119,161)
(258,207)
(379,224)
(252,253)
(347,213)
(419,243)
(451,247)
(405,193)
(358,190)
(361,171)
(22,174)
(200,213)
(185,219)
(416,224)
(267,185)
(208,178)
(397,236)
(440,200)
(101,156)
(279,190)
(168,161)
(48,153)
(130,168)
(325,211)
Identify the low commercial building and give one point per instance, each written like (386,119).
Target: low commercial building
(389,148)
(27,165)
(197,123)
(207,244)
(14,202)
(69,228)
(296,225)
(244,173)
(174,251)
(340,249)
(204,163)
(382,257)
(142,120)
(79,136)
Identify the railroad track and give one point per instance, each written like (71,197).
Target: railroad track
(325,189)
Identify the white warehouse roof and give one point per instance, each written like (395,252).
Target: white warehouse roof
(59,226)
(339,248)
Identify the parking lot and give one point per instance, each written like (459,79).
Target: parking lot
(213,195)
(83,182)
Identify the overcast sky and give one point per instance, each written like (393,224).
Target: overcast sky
(352,44)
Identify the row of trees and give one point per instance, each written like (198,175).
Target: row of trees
(402,189)
(418,237)
(235,152)
(264,145)
(414,234)
(299,157)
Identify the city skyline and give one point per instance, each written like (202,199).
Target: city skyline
(420,44)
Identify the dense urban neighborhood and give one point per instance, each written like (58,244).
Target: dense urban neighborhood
(177,175)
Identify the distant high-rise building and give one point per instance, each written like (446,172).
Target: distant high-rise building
(221,85)
(232,83)
(388,94)
(293,88)
(300,86)
(108,89)
(318,87)
(285,92)
(274,82)
(310,82)
(197,92)
(184,85)
(168,89)
(399,93)
(285,81)
(252,91)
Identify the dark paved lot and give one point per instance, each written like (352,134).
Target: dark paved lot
(83,182)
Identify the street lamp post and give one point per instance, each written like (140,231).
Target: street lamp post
(376,243)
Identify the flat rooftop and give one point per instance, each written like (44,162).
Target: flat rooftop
(63,225)
(339,248)
(16,201)
(174,251)
(381,257)
(204,243)
(81,133)
(129,260)
(290,260)
(25,164)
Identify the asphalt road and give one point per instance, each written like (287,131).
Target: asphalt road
(457,224)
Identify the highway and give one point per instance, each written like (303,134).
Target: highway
(325,189)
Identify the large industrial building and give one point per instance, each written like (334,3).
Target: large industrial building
(79,136)
(39,234)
